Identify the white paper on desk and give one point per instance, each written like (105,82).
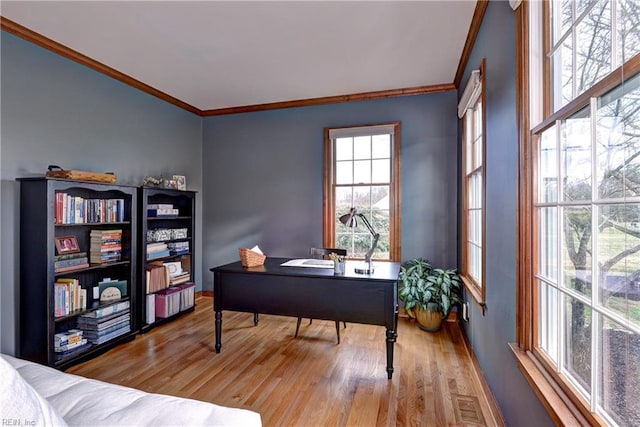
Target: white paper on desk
(306,262)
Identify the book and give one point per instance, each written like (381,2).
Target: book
(71,262)
(156,247)
(159,254)
(95,334)
(151,309)
(166,213)
(96,324)
(71,336)
(107,310)
(71,268)
(70,346)
(111,335)
(76,350)
(160,206)
(157,277)
(69,256)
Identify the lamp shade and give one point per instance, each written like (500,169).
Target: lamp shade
(350,219)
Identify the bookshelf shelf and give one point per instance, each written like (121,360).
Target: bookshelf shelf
(76,313)
(166,282)
(177,218)
(52,303)
(93,267)
(94,224)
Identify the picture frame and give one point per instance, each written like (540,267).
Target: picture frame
(169,183)
(67,245)
(181,182)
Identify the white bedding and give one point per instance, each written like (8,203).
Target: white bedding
(87,402)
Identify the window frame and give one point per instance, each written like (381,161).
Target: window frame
(476,289)
(329,208)
(564,403)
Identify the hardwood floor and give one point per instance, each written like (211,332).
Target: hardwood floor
(306,381)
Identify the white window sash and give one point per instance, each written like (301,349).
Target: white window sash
(471,93)
(361,131)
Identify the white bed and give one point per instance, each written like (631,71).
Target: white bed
(36,395)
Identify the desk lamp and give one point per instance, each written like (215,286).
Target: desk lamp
(350,220)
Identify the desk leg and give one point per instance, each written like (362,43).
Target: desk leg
(218,331)
(391,339)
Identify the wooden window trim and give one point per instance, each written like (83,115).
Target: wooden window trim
(477,291)
(328,201)
(563,403)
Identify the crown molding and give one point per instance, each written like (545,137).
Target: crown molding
(364,96)
(474,29)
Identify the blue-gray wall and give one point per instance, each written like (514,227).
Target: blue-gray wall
(55,111)
(490,334)
(263,175)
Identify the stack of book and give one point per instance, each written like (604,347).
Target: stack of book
(157,250)
(70,262)
(68,297)
(69,343)
(176,274)
(106,323)
(106,246)
(178,248)
(157,278)
(162,210)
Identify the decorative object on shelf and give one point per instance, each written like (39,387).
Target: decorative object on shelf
(169,183)
(251,257)
(67,245)
(428,292)
(181,182)
(152,182)
(350,220)
(111,289)
(54,171)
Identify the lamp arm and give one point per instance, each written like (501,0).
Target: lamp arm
(376,236)
(367,256)
(368,225)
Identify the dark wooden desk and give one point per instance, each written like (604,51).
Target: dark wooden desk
(310,292)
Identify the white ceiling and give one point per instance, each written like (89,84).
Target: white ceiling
(219,54)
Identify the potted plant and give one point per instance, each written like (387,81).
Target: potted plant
(436,295)
(428,293)
(413,274)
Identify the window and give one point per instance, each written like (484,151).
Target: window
(589,39)
(362,170)
(579,297)
(471,111)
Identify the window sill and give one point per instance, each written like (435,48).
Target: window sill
(561,408)
(475,293)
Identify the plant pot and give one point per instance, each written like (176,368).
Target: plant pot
(410,312)
(429,319)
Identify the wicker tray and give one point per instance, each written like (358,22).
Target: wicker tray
(250,258)
(109,178)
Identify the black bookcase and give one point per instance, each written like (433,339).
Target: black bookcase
(167,218)
(56,208)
